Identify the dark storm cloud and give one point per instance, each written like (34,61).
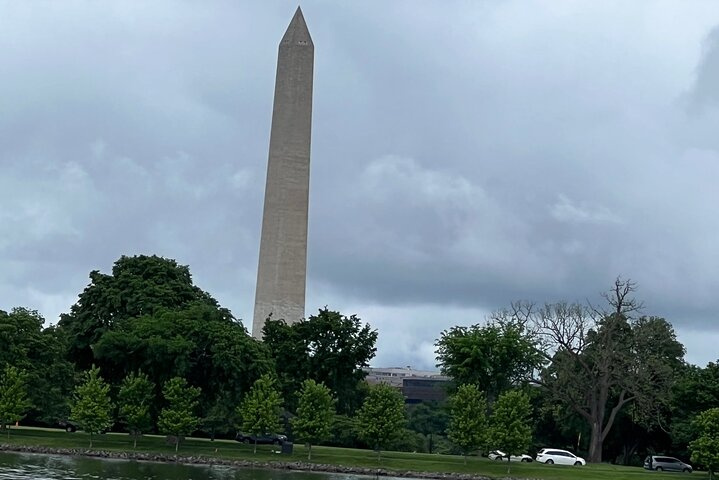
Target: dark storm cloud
(464,155)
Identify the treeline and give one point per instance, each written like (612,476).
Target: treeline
(161,355)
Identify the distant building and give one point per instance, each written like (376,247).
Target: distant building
(417,386)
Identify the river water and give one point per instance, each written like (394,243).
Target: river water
(25,466)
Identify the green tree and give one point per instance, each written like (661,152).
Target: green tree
(328,348)
(496,357)
(315,414)
(135,398)
(40,353)
(260,410)
(138,286)
(705,449)
(147,315)
(696,389)
(509,425)
(92,407)
(178,417)
(467,418)
(601,362)
(13,397)
(382,417)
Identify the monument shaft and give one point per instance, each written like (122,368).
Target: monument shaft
(282,266)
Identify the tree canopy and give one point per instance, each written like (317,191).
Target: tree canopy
(705,448)
(468,418)
(509,425)
(382,416)
(598,363)
(329,348)
(138,286)
(260,410)
(92,407)
(135,398)
(178,418)
(13,396)
(315,412)
(496,357)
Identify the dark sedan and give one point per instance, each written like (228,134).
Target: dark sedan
(268,438)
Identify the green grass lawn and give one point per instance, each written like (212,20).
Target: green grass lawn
(420,462)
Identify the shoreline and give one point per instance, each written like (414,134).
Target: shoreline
(279,465)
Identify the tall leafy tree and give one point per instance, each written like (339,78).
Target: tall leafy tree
(315,414)
(260,410)
(329,348)
(600,362)
(138,286)
(178,417)
(14,402)
(497,356)
(382,416)
(135,399)
(705,448)
(92,407)
(147,315)
(467,418)
(509,425)
(198,343)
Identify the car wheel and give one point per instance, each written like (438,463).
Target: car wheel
(525,459)
(246,440)
(498,459)
(577,464)
(549,462)
(70,428)
(686,470)
(659,469)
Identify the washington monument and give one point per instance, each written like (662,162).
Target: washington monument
(283,247)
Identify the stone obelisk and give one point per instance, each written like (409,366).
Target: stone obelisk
(283,247)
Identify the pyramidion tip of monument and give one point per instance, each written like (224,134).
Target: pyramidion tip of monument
(297,32)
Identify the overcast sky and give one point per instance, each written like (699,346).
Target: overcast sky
(464,155)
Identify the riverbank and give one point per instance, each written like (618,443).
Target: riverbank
(274,465)
(202,451)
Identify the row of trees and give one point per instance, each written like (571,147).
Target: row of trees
(604,374)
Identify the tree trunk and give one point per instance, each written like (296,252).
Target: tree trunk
(595,443)
(628,451)
(255,450)
(90,439)
(309,452)
(177,444)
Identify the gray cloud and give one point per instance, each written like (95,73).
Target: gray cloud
(464,154)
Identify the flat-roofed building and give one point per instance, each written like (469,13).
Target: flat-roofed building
(417,386)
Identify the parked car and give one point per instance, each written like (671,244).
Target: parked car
(500,456)
(268,438)
(560,457)
(670,464)
(67,425)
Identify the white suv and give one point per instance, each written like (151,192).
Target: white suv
(560,457)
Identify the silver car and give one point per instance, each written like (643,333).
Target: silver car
(669,464)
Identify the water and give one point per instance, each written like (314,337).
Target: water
(26,466)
